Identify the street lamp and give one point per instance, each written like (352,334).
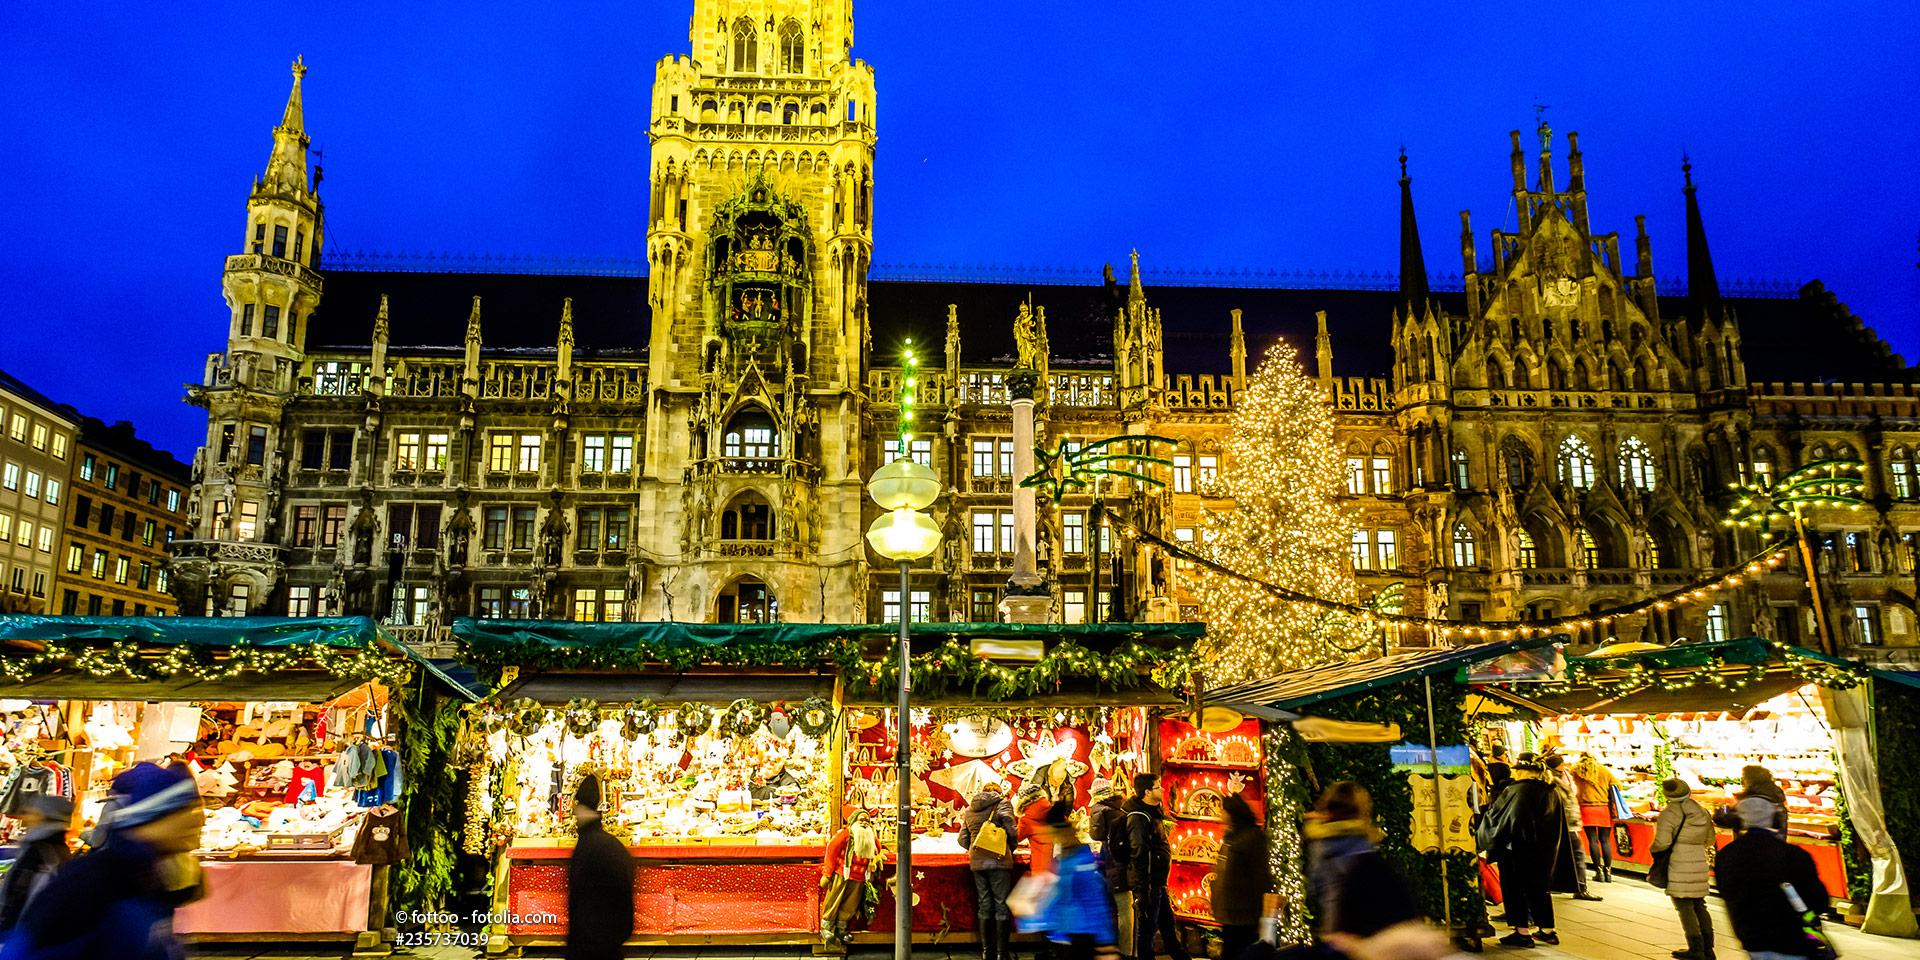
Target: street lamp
(904,534)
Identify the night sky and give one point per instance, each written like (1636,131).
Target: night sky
(1253,135)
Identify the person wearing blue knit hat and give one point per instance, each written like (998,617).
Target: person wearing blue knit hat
(117,902)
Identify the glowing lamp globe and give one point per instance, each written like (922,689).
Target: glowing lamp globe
(903,534)
(904,484)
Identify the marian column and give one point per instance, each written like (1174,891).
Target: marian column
(1028,599)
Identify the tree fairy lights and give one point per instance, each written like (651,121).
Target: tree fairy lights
(1822,483)
(1287,529)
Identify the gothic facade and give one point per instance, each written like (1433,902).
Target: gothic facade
(1556,436)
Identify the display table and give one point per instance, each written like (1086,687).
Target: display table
(1826,855)
(300,899)
(681,894)
(944,900)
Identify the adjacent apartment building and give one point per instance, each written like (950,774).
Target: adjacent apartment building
(36,451)
(126,503)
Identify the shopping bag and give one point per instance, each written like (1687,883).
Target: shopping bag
(1030,896)
(1618,801)
(990,839)
(1490,883)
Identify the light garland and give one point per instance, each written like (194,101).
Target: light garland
(1638,676)
(1276,583)
(1287,804)
(132,661)
(1822,483)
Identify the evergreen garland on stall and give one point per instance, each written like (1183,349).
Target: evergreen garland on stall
(1290,794)
(1896,727)
(429,725)
(1854,860)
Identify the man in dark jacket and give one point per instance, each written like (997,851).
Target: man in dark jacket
(1524,832)
(117,902)
(1148,863)
(992,871)
(1242,878)
(599,883)
(1106,811)
(43,850)
(1750,872)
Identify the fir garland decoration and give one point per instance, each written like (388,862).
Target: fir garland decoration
(129,660)
(427,724)
(693,719)
(744,717)
(525,717)
(815,717)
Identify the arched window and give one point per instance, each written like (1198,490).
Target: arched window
(1636,463)
(1654,558)
(1461,478)
(746,600)
(1496,378)
(793,58)
(748,517)
(1589,550)
(1518,461)
(746,46)
(751,435)
(1900,478)
(1576,462)
(1465,552)
(1529,555)
(1762,467)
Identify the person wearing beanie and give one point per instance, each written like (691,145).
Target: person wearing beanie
(1525,832)
(1149,862)
(1077,912)
(117,901)
(1685,834)
(599,883)
(1751,871)
(990,857)
(43,850)
(1106,835)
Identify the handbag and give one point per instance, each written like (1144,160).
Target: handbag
(1618,801)
(990,838)
(1490,883)
(1622,841)
(1657,874)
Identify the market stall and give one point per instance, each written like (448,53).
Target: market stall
(1700,712)
(287,726)
(731,754)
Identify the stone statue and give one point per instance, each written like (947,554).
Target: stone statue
(459,532)
(366,529)
(636,582)
(1026,340)
(553,536)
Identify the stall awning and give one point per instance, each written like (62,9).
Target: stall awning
(509,642)
(195,658)
(1729,675)
(1303,688)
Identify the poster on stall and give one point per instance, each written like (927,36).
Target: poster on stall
(1456,829)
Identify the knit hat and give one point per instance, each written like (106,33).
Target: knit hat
(588,793)
(148,791)
(1101,789)
(52,807)
(1757,812)
(1675,789)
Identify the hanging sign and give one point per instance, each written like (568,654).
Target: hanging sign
(1442,819)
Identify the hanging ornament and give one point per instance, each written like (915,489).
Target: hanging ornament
(744,717)
(693,719)
(582,717)
(525,717)
(816,717)
(639,718)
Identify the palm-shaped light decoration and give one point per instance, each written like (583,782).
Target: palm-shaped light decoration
(1069,469)
(1766,503)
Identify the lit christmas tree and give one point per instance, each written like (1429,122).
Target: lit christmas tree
(1288,529)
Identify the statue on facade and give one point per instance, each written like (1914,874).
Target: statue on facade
(458,534)
(1026,340)
(365,530)
(553,537)
(636,582)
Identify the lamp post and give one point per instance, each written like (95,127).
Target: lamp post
(904,534)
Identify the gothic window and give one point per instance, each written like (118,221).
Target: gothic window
(1465,553)
(1817,453)
(1761,470)
(1589,550)
(1636,463)
(751,435)
(1461,479)
(748,517)
(746,600)
(1529,555)
(1496,378)
(746,46)
(1356,475)
(1519,463)
(1576,462)
(793,58)
(1900,474)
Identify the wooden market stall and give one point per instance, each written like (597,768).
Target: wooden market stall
(258,709)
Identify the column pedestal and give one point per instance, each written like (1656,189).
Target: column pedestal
(1029,599)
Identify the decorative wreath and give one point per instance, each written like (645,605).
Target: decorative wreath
(487,716)
(744,716)
(639,719)
(525,717)
(815,717)
(693,719)
(582,717)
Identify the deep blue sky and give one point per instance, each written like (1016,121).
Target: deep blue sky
(1220,135)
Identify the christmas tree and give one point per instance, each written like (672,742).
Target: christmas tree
(1288,528)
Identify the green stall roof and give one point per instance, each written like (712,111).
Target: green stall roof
(1752,670)
(1303,688)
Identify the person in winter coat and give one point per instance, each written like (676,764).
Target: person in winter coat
(1353,889)
(117,901)
(1685,834)
(1751,870)
(1148,863)
(1032,827)
(1110,846)
(1562,776)
(1078,912)
(992,872)
(1242,877)
(43,851)
(599,883)
(1499,771)
(1525,832)
(1593,788)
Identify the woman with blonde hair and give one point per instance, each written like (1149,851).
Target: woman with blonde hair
(1354,890)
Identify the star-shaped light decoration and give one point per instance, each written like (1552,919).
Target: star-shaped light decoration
(1036,757)
(1067,469)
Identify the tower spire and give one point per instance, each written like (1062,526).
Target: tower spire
(1413,264)
(1134,292)
(287,164)
(1703,285)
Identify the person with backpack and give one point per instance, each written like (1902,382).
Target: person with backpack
(1110,846)
(1752,872)
(987,831)
(1149,862)
(1685,834)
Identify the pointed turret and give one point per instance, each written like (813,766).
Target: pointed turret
(1577,181)
(1469,265)
(1413,264)
(1238,346)
(1703,285)
(1323,350)
(1519,161)
(470,378)
(287,164)
(1135,294)
(564,346)
(382,331)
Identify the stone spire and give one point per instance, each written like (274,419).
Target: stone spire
(470,380)
(1239,347)
(1703,285)
(1413,264)
(1135,294)
(287,165)
(1323,350)
(382,331)
(564,347)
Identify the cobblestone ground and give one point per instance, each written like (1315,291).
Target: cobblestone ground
(1634,922)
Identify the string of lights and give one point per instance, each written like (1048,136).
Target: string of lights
(132,661)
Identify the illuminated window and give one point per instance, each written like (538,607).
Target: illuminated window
(982,457)
(500,452)
(1866,625)
(1636,463)
(300,602)
(920,448)
(1209,471)
(1073,533)
(593,453)
(1717,623)
(983,526)
(1382,468)
(1576,463)
(1073,606)
(1356,475)
(39,436)
(529,453)
(746,46)
(1362,550)
(1387,548)
(793,57)
(1465,555)
(1529,554)
(750,435)
(1589,550)
(1182,473)
(1900,471)
(1460,471)
(407,454)
(890,606)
